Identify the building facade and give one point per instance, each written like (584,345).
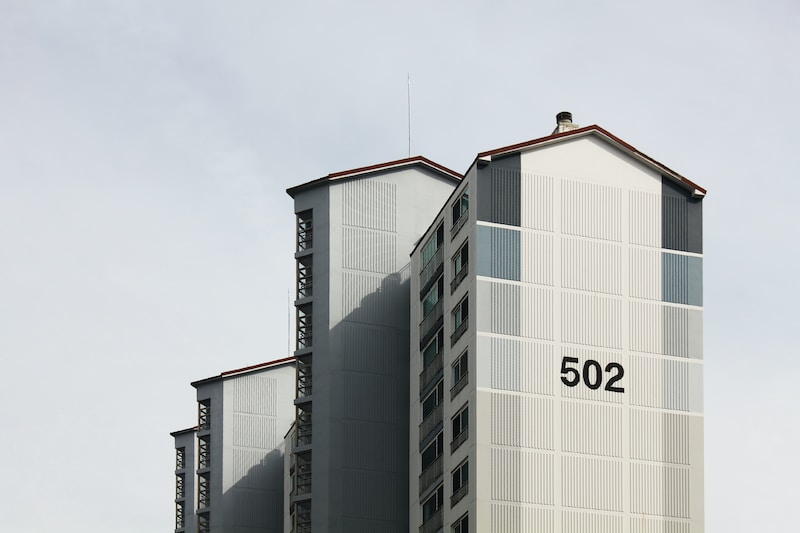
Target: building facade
(355,231)
(229,469)
(556,345)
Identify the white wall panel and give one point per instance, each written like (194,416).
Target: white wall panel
(255,394)
(660,437)
(591,319)
(604,358)
(521,366)
(583,522)
(517,310)
(591,266)
(644,224)
(369,204)
(658,525)
(537,201)
(522,421)
(659,490)
(592,210)
(537,258)
(645,327)
(516,518)
(644,265)
(591,429)
(369,250)
(591,483)
(522,476)
(254,431)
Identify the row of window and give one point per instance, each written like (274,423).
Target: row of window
(460,214)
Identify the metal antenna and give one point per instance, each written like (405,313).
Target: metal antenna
(409,115)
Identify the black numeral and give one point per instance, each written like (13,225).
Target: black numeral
(592,374)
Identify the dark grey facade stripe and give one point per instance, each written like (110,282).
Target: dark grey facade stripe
(681,279)
(681,218)
(499,191)
(498,253)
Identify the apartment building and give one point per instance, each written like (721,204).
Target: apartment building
(556,344)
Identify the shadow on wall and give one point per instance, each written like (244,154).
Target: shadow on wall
(255,503)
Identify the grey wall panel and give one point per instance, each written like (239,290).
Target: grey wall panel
(255,394)
(498,252)
(521,366)
(682,331)
(499,192)
(590,483)
(681,218)
(369,250)
(583,522)
(254,431)
(374,299)
(505,308)
(515,517)
(369,397)
(364,348)
(371,446)
(370,204)
(522,421)
(659,525)
(376,501)
(522,476)
(682,279)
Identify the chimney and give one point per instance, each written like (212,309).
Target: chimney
(564,123)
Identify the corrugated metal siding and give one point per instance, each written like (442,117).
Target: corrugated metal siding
(370,446)
(660,437)
(683,332)
(537,201)
(498,252)
(591,266)
(512,518)
(591,319)
(644,266)
(499,192)
(522,366)
(374,299)
(591,429)
(660,490)
(682,279)
(369,250)
(644,224)
(370,397)
(645,327)
(369,204)
(681,219)
(255,394)
(378,494)
(537,258)
(658,525)
(581,522)
(669,383)
(591,210)
(254,431)
(522,476)
(591,483)
(522,421)
(364,348)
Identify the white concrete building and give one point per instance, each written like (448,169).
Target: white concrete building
(556,345)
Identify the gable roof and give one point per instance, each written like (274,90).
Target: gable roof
(245,370)
(390,165)
(597,131)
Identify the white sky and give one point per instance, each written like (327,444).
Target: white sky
(146,238)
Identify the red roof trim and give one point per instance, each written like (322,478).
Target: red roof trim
(597,130)
(374,168)
(244,370)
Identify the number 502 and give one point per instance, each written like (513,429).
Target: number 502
(592,374)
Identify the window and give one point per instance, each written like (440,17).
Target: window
(180,458)
(432,504)
(460,373)
(460,264)
(433,297)
(460,322)
(204,414)
(433,399)
(432,246)
(460,478)
(305,230)
(433,349)
(433,451)
(461,525)
(460,424)
(460,211)
(204,451)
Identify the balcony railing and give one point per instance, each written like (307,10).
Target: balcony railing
(460,384)
(460,493)
(430,323)
(460,329)
(430,371)
(459,439)
(433,419)
(432,524)
(431,270)
(430,474)
(459,277)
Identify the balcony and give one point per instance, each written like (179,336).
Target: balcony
(429,476)
(430,324)
(459,277)
(432,524)
(431,422)
(460,329)
(430,372)
(460,384)
(459,493)
(459,439)
(431,271)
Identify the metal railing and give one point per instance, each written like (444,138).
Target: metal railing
(430,371)
(430,474)
(431,421)
(432,524)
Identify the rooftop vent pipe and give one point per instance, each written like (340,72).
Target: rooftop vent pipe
(564,122)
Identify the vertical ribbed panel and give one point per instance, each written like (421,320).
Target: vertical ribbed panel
(666,383)
(252,472)
(537,258)
(644,266)
(591,483)
(591,210)
(522,366)
(591,319)
(681,218)
(537,313)
(372,299)
(370,397)
(591,266)
(255,394)
(505,309)
(537,201)
(365,348)
(248,507)
(522,421)
(369,204)
(675,376)
(582,522)
(683,332)
(659,490)
(498,252)
(659,437)
(604,358)
(658,525)
(645,218)
(512,518)
(646,373)
(682,279)
(504,200)
(522,476)
(378,494)
(254,431)
(591,429)
(645,327)
(369,250)
(367,448)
